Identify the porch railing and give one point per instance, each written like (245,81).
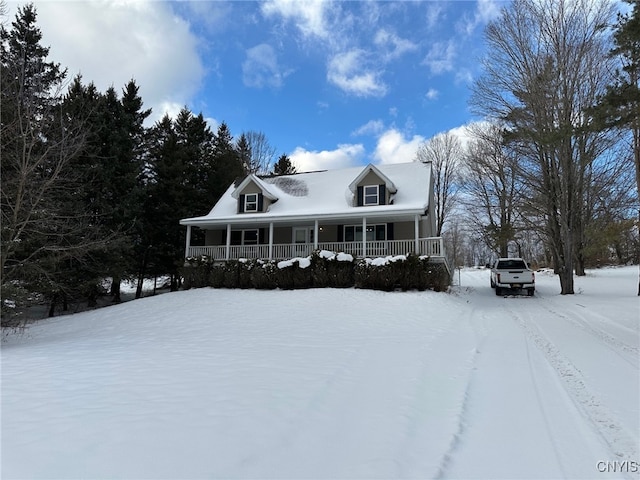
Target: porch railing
(432,247)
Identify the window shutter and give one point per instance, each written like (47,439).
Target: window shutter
(390,231)
(360,196)
(260,202)
(261,234)
(224,237)
(382,195)
(241,204)
(236,237)
(340,233)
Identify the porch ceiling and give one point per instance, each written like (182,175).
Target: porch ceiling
(240,221)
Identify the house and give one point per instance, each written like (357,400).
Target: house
(366,211)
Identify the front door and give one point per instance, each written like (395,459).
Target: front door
(303,241)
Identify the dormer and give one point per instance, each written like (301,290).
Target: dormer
(253,195)
(372,187)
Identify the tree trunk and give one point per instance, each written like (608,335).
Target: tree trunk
(115,289)
(139,286)
(142,273)
(52,305)
(579,265)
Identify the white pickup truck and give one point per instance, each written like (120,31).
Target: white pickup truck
(512,274)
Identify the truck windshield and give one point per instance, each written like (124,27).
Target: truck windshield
(511,264)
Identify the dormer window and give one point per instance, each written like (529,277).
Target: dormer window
(251,202)
(371,195)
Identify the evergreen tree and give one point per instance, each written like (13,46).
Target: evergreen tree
(46,231)
(227,162)
(620,106)
(284,166)
(244,152)
(190,170)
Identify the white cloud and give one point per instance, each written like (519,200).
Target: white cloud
(350,72)
(464,77)
(372,127)
(440,57)
(394,147)
(308,16)
(112,42)
(432,94)
(260,68)
(486,10)
(392,45)
(166,108)
(346,155)
(434,12)
(463,133)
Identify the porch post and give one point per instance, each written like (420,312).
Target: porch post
(271,241)
(364,237)
(315,235)
(228,241)
(188,242)
(417,232)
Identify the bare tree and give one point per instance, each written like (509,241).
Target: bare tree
(445,153)
(547,63)
(260,153)
(47,239)
(492,186)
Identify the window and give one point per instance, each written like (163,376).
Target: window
(302,235)
(251,202)
(353,233)
(250,237)
(371,196)
(245,237)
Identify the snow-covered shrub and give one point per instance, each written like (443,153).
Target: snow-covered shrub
(195,272)
(216,275)
(331,270)
(294,274)
(264,275)
(245,268)
(437,277)
(327,269)
(409,272)
(231,274)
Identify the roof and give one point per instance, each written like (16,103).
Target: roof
(372,168)
(266,190)
(327,194)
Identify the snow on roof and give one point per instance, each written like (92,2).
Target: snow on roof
(372,168)
(326,194)
(252,178)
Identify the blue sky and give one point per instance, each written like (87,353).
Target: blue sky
(331,84)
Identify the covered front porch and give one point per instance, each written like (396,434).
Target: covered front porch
(365,237)
(281,251)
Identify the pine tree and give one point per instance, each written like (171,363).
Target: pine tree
(46,232)
(190,167)
(284,166)
(620,106)
(244,152)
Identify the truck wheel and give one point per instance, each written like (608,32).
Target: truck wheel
(530,292)
(498,291)
(493,285)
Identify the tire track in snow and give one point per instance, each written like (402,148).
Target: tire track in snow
(591,407)
(609,341)
(480,335)
(543,410)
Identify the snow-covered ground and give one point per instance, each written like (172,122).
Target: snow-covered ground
(332,384)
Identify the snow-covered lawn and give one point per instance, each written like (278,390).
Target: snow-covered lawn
(332,384)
